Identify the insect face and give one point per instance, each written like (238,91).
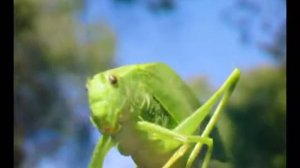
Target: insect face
(106,102)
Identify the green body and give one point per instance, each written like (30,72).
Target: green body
(124,98)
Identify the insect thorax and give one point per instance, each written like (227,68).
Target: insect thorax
(152,111)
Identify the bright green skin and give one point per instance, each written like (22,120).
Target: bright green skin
(140,110)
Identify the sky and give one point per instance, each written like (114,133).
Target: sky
(193,39)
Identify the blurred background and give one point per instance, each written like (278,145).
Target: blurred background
(58,44)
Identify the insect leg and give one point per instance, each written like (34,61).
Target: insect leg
(183,148)
(208,129)
(207,156)
(179,153)
(192,123)
(162,133)
(102,147)
(195,153)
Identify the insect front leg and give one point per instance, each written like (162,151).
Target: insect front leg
(101,149)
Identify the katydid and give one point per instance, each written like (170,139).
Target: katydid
(149,113)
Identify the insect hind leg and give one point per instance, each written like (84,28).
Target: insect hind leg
(184,141)
(183,149)
(195,153)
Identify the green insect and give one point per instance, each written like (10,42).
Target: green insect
(149,113)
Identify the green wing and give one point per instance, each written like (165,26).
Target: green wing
(170,90)
(101,149)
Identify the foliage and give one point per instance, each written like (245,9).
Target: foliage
(257,119)
(46,49)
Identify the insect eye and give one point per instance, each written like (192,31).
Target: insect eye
(113,79)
